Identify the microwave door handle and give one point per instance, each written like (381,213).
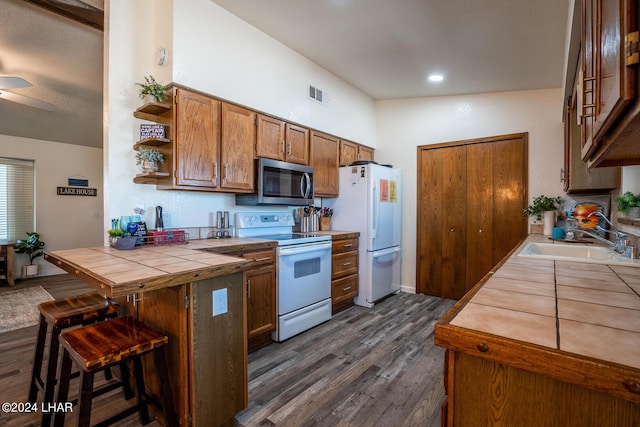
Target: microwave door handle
(304,190)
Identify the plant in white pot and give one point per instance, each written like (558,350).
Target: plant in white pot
(544,209)
(32,246)
(152,91)
(148,159)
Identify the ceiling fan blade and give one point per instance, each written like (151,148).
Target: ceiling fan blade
(32,102)
(8,82)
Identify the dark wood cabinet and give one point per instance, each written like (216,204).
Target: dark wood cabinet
(324,159)
(608,80)
(470,200)
(576,176)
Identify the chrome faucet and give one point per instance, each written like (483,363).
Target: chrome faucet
(621,244)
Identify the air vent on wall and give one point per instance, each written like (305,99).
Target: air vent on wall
(318,95)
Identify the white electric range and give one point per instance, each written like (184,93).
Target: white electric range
(303,270)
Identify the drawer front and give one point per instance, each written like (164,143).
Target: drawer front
(261,257)
(344,264)
(344,288)
(344,245)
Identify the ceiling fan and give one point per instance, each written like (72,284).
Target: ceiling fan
(9,82)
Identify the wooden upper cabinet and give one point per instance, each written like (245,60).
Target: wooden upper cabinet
(324,159)
(608,83)
(576,176)
(270,138)
(351,152)
(297,144)
(279,140)
(238,136)
(197,139)
(348,152)
(365,153)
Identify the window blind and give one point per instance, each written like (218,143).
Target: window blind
(17,198)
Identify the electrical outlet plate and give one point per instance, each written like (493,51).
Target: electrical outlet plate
(220,301)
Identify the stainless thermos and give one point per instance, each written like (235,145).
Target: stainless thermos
(159,222)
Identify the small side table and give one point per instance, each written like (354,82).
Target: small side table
(6,252)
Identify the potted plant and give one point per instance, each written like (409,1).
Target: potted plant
(629,204)
(148,159)
(152,89)
(32,246)
(546,207)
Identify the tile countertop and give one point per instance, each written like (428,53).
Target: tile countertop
(118,273)
(586,309)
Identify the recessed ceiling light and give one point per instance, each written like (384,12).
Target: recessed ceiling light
(436,78)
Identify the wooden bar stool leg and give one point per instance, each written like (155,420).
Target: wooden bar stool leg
(37,360)
(126,384)
(50,382)
(160,360)
(85,399)
(63,388)
(140,391)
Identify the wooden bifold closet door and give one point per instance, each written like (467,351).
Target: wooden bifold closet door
(469,212)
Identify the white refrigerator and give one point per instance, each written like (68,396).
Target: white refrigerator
(369,202)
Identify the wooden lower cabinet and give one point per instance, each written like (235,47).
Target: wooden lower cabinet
(261,298)
(344,272)
(482,392)
(207,355)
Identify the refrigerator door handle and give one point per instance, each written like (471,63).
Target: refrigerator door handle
(374,225)
(385,252)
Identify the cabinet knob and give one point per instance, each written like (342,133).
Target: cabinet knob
(632,386)
(452,230)
(483,347)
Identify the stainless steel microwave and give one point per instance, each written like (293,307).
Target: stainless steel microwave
(280,183)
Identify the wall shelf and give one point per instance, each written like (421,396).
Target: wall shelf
(151,142)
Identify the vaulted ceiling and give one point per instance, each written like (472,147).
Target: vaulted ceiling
(384,48)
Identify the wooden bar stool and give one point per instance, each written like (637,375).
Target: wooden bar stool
(102,345)
(61,314)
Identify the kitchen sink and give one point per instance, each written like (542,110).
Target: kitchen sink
(576,252)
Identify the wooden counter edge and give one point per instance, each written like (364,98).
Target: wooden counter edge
(607,377)
(115,290)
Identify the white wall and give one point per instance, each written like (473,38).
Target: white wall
(64,222)
(405,124)
(212,51)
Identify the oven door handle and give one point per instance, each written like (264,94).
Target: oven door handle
(300,249)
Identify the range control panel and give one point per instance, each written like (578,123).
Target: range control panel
(264,219)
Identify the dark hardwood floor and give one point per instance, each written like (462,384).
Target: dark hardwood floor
(365,367)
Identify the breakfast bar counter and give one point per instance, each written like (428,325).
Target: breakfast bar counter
(116,273)
(172,288)
(545,342)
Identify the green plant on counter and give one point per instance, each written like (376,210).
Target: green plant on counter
(148,154)
(627,201)
(542,204)
(151,87)
(115,232)
(31,246)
